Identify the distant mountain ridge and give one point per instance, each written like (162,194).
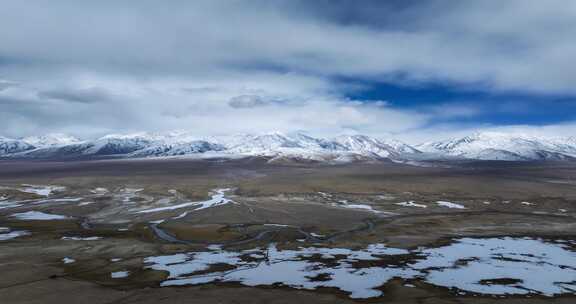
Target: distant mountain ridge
(504,146)
(276,146)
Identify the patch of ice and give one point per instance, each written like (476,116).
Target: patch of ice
(563,210)
(119,274)
(38,216)
(411,204)
(85,203)
(115,260)
(449,205)
(527,203)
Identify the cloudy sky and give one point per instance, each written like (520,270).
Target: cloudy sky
(413,70)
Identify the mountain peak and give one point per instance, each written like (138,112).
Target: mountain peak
(50,140)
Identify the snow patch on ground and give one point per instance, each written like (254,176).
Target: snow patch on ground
(77,238)
(449,205)
(348,205)
(38,216)
(119,274)
(6,234)
(99,191)
(67,260)
(493,266)
(530,266)
(10,204)
(411,204)
(58,200)
(218,199)
(287,267)
(41,189)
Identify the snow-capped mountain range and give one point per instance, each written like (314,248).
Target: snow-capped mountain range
(504,146)
(293,146)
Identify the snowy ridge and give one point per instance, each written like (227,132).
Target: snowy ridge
(10,146)
(505,146)
(280,147)
(51,140)
(275,146)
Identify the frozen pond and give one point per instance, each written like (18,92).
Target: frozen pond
(492,266)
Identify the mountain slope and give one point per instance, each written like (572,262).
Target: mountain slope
(274,146)
(51,140)
(280,147)
(504,146)
(10,146)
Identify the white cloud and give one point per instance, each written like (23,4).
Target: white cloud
(90,68)
(109,105)
(517,44)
